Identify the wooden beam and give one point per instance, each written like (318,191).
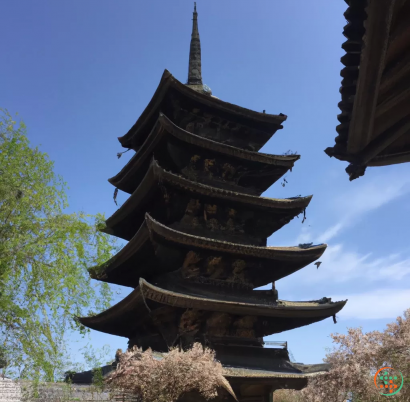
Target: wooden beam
(393,159)
(371,152)
(394,75)
(399,37)
(399,108)
(384,140)
(394,97)
(396,12)
(373,55)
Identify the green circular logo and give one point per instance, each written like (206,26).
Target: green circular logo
(388,381)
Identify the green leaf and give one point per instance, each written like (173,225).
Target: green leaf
(44,255)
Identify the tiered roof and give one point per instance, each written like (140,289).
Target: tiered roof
(157,249)
(205,115)
(197,229)
(269,316)
(246,171)
(148,197)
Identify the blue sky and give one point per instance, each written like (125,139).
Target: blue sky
(80,73)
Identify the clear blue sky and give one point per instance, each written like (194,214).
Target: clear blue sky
(80,73)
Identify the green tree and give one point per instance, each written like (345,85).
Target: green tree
(44,255)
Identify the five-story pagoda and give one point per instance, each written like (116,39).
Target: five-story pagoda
(197,230)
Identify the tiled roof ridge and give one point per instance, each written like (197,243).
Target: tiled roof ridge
(189,239)
(353,31)
(167,81)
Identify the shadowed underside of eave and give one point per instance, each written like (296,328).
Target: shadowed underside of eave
(160,193)
(124,317)
(186,295)
(245,373)
(175,148)
(157,249)
(137,134)
(287,253)
(374,127)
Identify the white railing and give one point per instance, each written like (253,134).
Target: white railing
(277,344)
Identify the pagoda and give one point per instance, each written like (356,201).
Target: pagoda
(197,230)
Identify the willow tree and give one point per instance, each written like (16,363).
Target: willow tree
(44,255)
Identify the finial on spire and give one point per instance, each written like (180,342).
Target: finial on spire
(194,69)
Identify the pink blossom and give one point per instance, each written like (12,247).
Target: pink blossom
(165,379)
(354,360)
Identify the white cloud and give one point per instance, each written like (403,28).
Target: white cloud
(378,304)
(340,265)
(331,232)
(305,236)
(363,198)
(365,279)
(348,205)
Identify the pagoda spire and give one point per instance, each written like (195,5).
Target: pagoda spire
(194,69)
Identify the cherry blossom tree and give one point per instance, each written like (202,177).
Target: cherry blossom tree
(355,359)
(151,378)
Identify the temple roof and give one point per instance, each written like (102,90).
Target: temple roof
(239,372)
(154,250)
(285,253)
(253,303)
(253,385)
(169,86)
(123,318)
(185,145)
(262,365)
(129,217)
(375,108)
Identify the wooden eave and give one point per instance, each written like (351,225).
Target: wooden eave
(140,130)
(247,306)
(135,207)
(120,319)
(255,386)
(127,266)
(280,253)
(252,382)
(116,320)
(256,358)
(282,374)
(262,363)
(245,373)
(129,177)
(374,125)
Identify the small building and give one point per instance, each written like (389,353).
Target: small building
(197,230)
(374,127)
